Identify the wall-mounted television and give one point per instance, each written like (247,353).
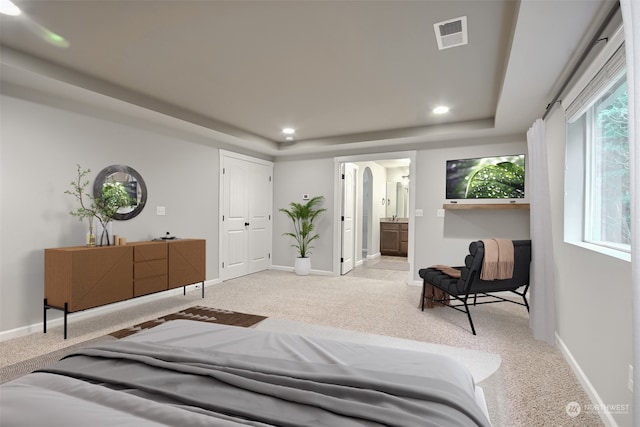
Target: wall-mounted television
(500,177)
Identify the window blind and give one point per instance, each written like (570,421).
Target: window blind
(600,83)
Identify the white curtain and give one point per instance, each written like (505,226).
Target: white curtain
(542,316)
(631,19)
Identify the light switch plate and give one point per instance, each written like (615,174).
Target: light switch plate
(440,213)
(160,210)
(419,212)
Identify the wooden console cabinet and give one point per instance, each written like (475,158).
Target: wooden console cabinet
(79,278)
(394,237)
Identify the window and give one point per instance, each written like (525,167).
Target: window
(597,180)
(608,203)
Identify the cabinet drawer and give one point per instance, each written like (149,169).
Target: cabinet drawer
(389,226)
(146,252)
(152,268)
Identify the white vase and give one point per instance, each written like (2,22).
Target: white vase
(302,266)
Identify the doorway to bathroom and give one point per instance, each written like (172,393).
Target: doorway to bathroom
(383,192)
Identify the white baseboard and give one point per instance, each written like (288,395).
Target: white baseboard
(313,272)
(605,415)
(415,282)
(89,313)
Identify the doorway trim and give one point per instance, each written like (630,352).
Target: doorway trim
(338,161)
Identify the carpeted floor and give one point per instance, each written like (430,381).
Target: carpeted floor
(538,383)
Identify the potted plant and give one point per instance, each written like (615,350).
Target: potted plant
(303,217)
(114,196)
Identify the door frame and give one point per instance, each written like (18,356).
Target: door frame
(222,155)
(337,229)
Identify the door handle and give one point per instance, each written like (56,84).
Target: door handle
(246,224)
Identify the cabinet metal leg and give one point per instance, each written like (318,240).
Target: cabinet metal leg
(44,316)
(66,311)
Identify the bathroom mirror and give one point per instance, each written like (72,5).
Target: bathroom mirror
(397,200)
(132,182)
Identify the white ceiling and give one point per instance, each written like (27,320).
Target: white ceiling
(347,75)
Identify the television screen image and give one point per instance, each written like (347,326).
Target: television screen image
(499,177)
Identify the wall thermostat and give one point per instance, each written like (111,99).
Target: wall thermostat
(305,197)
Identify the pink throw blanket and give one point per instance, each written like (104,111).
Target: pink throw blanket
(498,259)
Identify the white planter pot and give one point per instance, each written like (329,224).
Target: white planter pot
(302,266)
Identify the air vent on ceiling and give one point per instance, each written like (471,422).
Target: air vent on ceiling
(451,33)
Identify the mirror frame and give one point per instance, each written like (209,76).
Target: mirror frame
(106,173)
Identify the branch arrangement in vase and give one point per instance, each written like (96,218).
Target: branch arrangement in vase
(114,196)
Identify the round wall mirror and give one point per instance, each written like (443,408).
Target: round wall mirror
(132,182)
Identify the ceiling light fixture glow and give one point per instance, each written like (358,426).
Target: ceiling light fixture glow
(441,109)
(289,138)
(8,8)
(288,131)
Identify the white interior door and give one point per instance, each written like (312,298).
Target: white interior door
(348,216)
(245,244)
(260,207)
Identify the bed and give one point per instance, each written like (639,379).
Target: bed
(188,373)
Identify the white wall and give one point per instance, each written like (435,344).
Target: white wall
(593,295)
(291,180)
(40,146)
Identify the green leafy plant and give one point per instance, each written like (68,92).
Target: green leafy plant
(504,180)
(303,217)
(114,196)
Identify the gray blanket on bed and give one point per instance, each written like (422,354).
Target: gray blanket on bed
(256,390)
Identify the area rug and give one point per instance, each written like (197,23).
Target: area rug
(198,313)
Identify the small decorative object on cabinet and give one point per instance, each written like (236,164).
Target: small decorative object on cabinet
(79,278)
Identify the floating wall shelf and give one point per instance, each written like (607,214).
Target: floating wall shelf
(467,206)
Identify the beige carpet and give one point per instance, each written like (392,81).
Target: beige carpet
(538,383)
(385,265)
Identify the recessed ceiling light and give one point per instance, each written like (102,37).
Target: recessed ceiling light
(441,109)
(288,131)
(289,138)
(8,8)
